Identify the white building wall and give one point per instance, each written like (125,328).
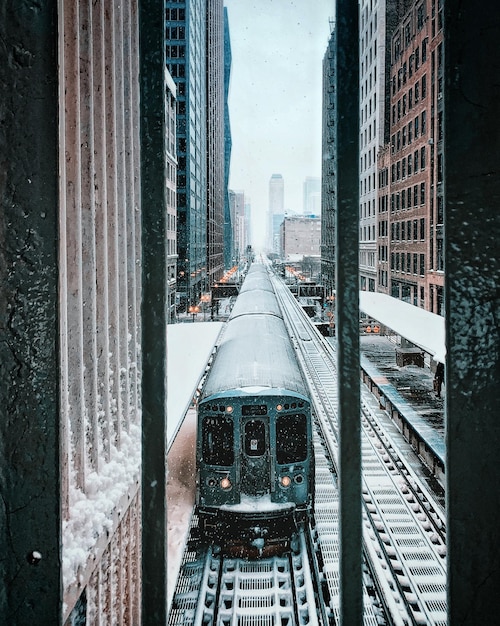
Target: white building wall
(372,68)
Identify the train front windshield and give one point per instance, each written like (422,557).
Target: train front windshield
(218,441)
(291,438)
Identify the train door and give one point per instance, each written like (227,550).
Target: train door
(255,458)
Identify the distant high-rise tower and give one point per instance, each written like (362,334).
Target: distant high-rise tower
(312,195)
(276,210)
(276,194)
(240,219)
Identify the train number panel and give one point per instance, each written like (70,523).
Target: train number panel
(255,459)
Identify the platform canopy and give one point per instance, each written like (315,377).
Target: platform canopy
(424,329)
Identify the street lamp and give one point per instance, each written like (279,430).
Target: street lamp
(193,309)
(205,298)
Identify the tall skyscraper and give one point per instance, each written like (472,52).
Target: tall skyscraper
(240,220)
(228,231)
(328,168)
(171,194)
(215,156)
(195,60)
(186,33)
(276,194)
(377,20)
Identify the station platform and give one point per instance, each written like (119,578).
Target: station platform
(409,389)
(189,348)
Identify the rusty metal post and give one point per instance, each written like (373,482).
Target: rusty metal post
(30,511)
(472,297)
(154,311)
(347,286)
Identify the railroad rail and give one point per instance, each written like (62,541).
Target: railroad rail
(404,526)
(216,589)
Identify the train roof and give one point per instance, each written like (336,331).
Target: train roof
(255,352)
(256,301)
(257,268)
(257,278)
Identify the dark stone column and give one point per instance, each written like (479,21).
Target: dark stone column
(154,311)
(347,295)
(472,297)
(30,518)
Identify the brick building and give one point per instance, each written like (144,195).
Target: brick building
(300,237)
(410,205)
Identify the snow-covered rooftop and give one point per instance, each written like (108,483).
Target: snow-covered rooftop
(424,329)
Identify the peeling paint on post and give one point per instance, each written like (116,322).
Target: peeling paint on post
(30,512)
(154,311)
(472,234)
(347,290)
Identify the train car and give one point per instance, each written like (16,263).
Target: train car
(255,458)
(256,301)
(257,278)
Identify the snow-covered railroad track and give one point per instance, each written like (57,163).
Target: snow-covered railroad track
(217,590)
(403,527)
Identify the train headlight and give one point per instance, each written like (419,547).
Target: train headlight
(285,481)
(279,407)
(225,483)
(229,409)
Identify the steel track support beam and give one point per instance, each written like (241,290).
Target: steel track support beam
(154,311)
(347,294)
(30,511)
(472,306)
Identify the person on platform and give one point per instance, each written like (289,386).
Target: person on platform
(439,379)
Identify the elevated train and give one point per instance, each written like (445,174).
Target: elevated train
(255,457)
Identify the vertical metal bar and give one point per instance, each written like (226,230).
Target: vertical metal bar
(122,230)
(112,83)
(72,345)
(130,77)
(30,510)
(347,289)
(154,310)
(89,268)
(472,301)
(100,47)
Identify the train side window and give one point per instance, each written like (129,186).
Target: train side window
(255,438)
(291,438)
(218,441)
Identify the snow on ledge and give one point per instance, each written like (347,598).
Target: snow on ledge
(91,513)
(424,329)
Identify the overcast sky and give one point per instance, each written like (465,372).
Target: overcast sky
(275,96)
